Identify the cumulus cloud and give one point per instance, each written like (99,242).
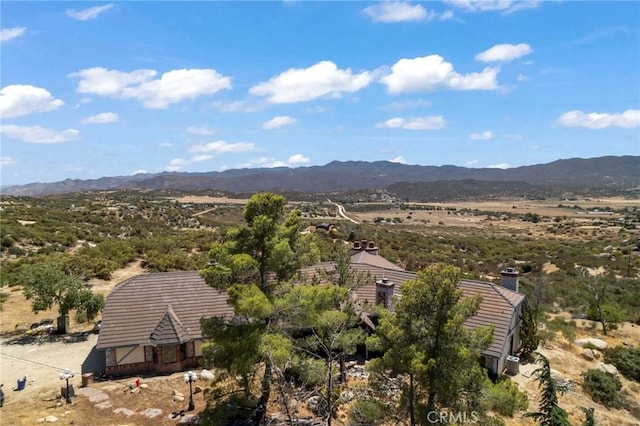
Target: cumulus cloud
(298,159)
(278,121)
(433,72)
(222,147)
(397,11)
(177,164)
(200,130)
(172,87)
(600,120)
(89,13)
(19,99)
(7,34)
(505,6)
(37,134)
(433,122)
(102,118)
(7,161)
(499,166)
(504,52)
(306,84)
(481,136)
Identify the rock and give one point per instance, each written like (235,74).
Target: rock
(176,393)
(151,412)
(50,419)
(588,354)
(197,389)
(607,368)
(347,396)
(135,390)
(178,398)
(317,405)
(206,375)
(124,411)
(599,344)
(144,385)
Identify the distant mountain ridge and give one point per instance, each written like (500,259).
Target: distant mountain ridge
(613,172)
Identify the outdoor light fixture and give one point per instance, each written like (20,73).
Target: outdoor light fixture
(190,377)
(66,375)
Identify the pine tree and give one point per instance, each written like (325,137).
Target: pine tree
(550,414)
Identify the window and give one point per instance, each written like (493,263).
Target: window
(169,354)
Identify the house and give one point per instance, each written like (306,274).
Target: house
(151,322)
(500,307)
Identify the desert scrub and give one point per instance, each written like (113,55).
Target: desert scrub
(602,387)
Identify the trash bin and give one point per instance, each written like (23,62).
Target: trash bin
(22,383)
(87,379)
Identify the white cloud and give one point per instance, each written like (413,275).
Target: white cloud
(177,164)
(102,118)
(172,87)
(200,130)
(88,14)
(505,6)
(482,136)
(471,163)
(499,166)
(433,122)
(19,99)
(399,159)
(432,72)
(222,147)
(37,134)
(7,34)
(278,121)
(411,104)
(237,106)
(504,52)
(7,161)
(298,159)
(597,120)
(306,84)
(397,11)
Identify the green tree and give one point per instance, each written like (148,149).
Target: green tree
(550,414)
(326,313)
(252,263)
(47,285)
(425,339)
(529,330)
(601,308)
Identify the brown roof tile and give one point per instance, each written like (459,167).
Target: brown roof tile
(138,306)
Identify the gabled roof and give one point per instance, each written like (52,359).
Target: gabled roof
(138,309)
(499,305)
(169,330)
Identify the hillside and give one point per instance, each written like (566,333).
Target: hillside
(612,175)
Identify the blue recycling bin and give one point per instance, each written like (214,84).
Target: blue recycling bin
(22,383)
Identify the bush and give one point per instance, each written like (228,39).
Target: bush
(505,398)
(366,412)
(602,387)
(626,360)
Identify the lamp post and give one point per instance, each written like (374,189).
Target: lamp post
(190,377)
(66,375)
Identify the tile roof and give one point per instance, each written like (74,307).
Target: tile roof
(498,306)
(153,309)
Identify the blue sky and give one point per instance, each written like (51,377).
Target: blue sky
(92,89)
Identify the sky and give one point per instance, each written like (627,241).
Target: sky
(93,89)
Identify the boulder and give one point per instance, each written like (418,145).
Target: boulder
(598,343)
(178,398)
(588,354)
(206,375)
(50,419)
(607,368)
(197,389)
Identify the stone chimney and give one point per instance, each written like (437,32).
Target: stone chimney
(509,279)
(384,293)
(371,248)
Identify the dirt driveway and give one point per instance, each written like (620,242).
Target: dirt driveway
(41,359)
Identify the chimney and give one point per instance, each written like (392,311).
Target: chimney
(356,248)
(509,279)
(371,248)
(384,293)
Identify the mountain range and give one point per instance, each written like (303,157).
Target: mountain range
(611,174)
